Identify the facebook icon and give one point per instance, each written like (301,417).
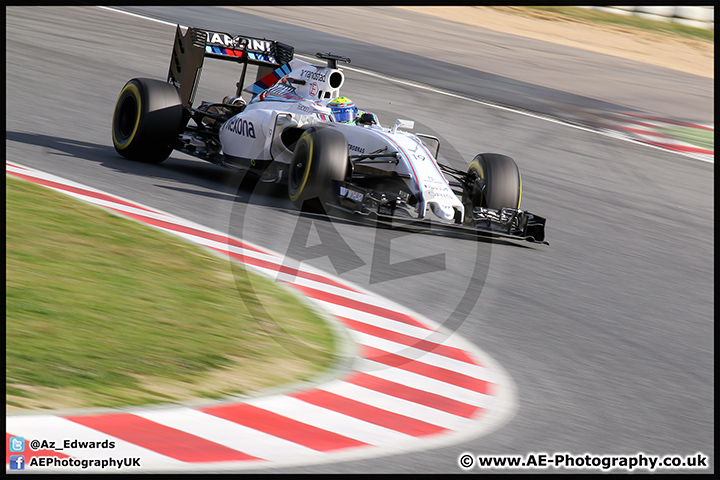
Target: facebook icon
(17,462)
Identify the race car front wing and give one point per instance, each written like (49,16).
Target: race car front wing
(508,223)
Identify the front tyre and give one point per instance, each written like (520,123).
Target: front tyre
(495,183)
(147,120)
(320,158)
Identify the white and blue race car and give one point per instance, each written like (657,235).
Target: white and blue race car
(288,134)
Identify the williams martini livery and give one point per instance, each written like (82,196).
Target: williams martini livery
(287,133)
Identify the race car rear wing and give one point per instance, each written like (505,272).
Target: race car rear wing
(192,46)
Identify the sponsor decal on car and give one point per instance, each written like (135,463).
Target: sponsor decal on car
(313,75)
(353,195)
(240,126)
(254,44)
(355,148)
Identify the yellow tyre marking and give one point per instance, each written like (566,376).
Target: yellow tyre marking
(519,196)
(136,93)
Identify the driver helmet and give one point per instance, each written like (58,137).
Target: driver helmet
(343,109)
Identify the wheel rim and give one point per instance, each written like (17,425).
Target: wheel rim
(297,172)
(476,199)
(297,175)
(127,116)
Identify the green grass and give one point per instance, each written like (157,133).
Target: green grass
(693,136)
(109,312)
(589,15)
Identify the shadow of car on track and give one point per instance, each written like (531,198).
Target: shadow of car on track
(183,170)
(225,184)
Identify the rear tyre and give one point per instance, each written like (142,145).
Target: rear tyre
(147,120)
(495,184)
(320,157)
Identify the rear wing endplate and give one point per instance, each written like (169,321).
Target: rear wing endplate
(192,45)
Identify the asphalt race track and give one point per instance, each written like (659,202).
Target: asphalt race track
(607,332)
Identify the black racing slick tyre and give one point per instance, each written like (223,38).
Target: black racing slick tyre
(320,157)
(147,120)
(495,183)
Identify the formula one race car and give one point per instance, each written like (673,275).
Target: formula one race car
(287,133)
